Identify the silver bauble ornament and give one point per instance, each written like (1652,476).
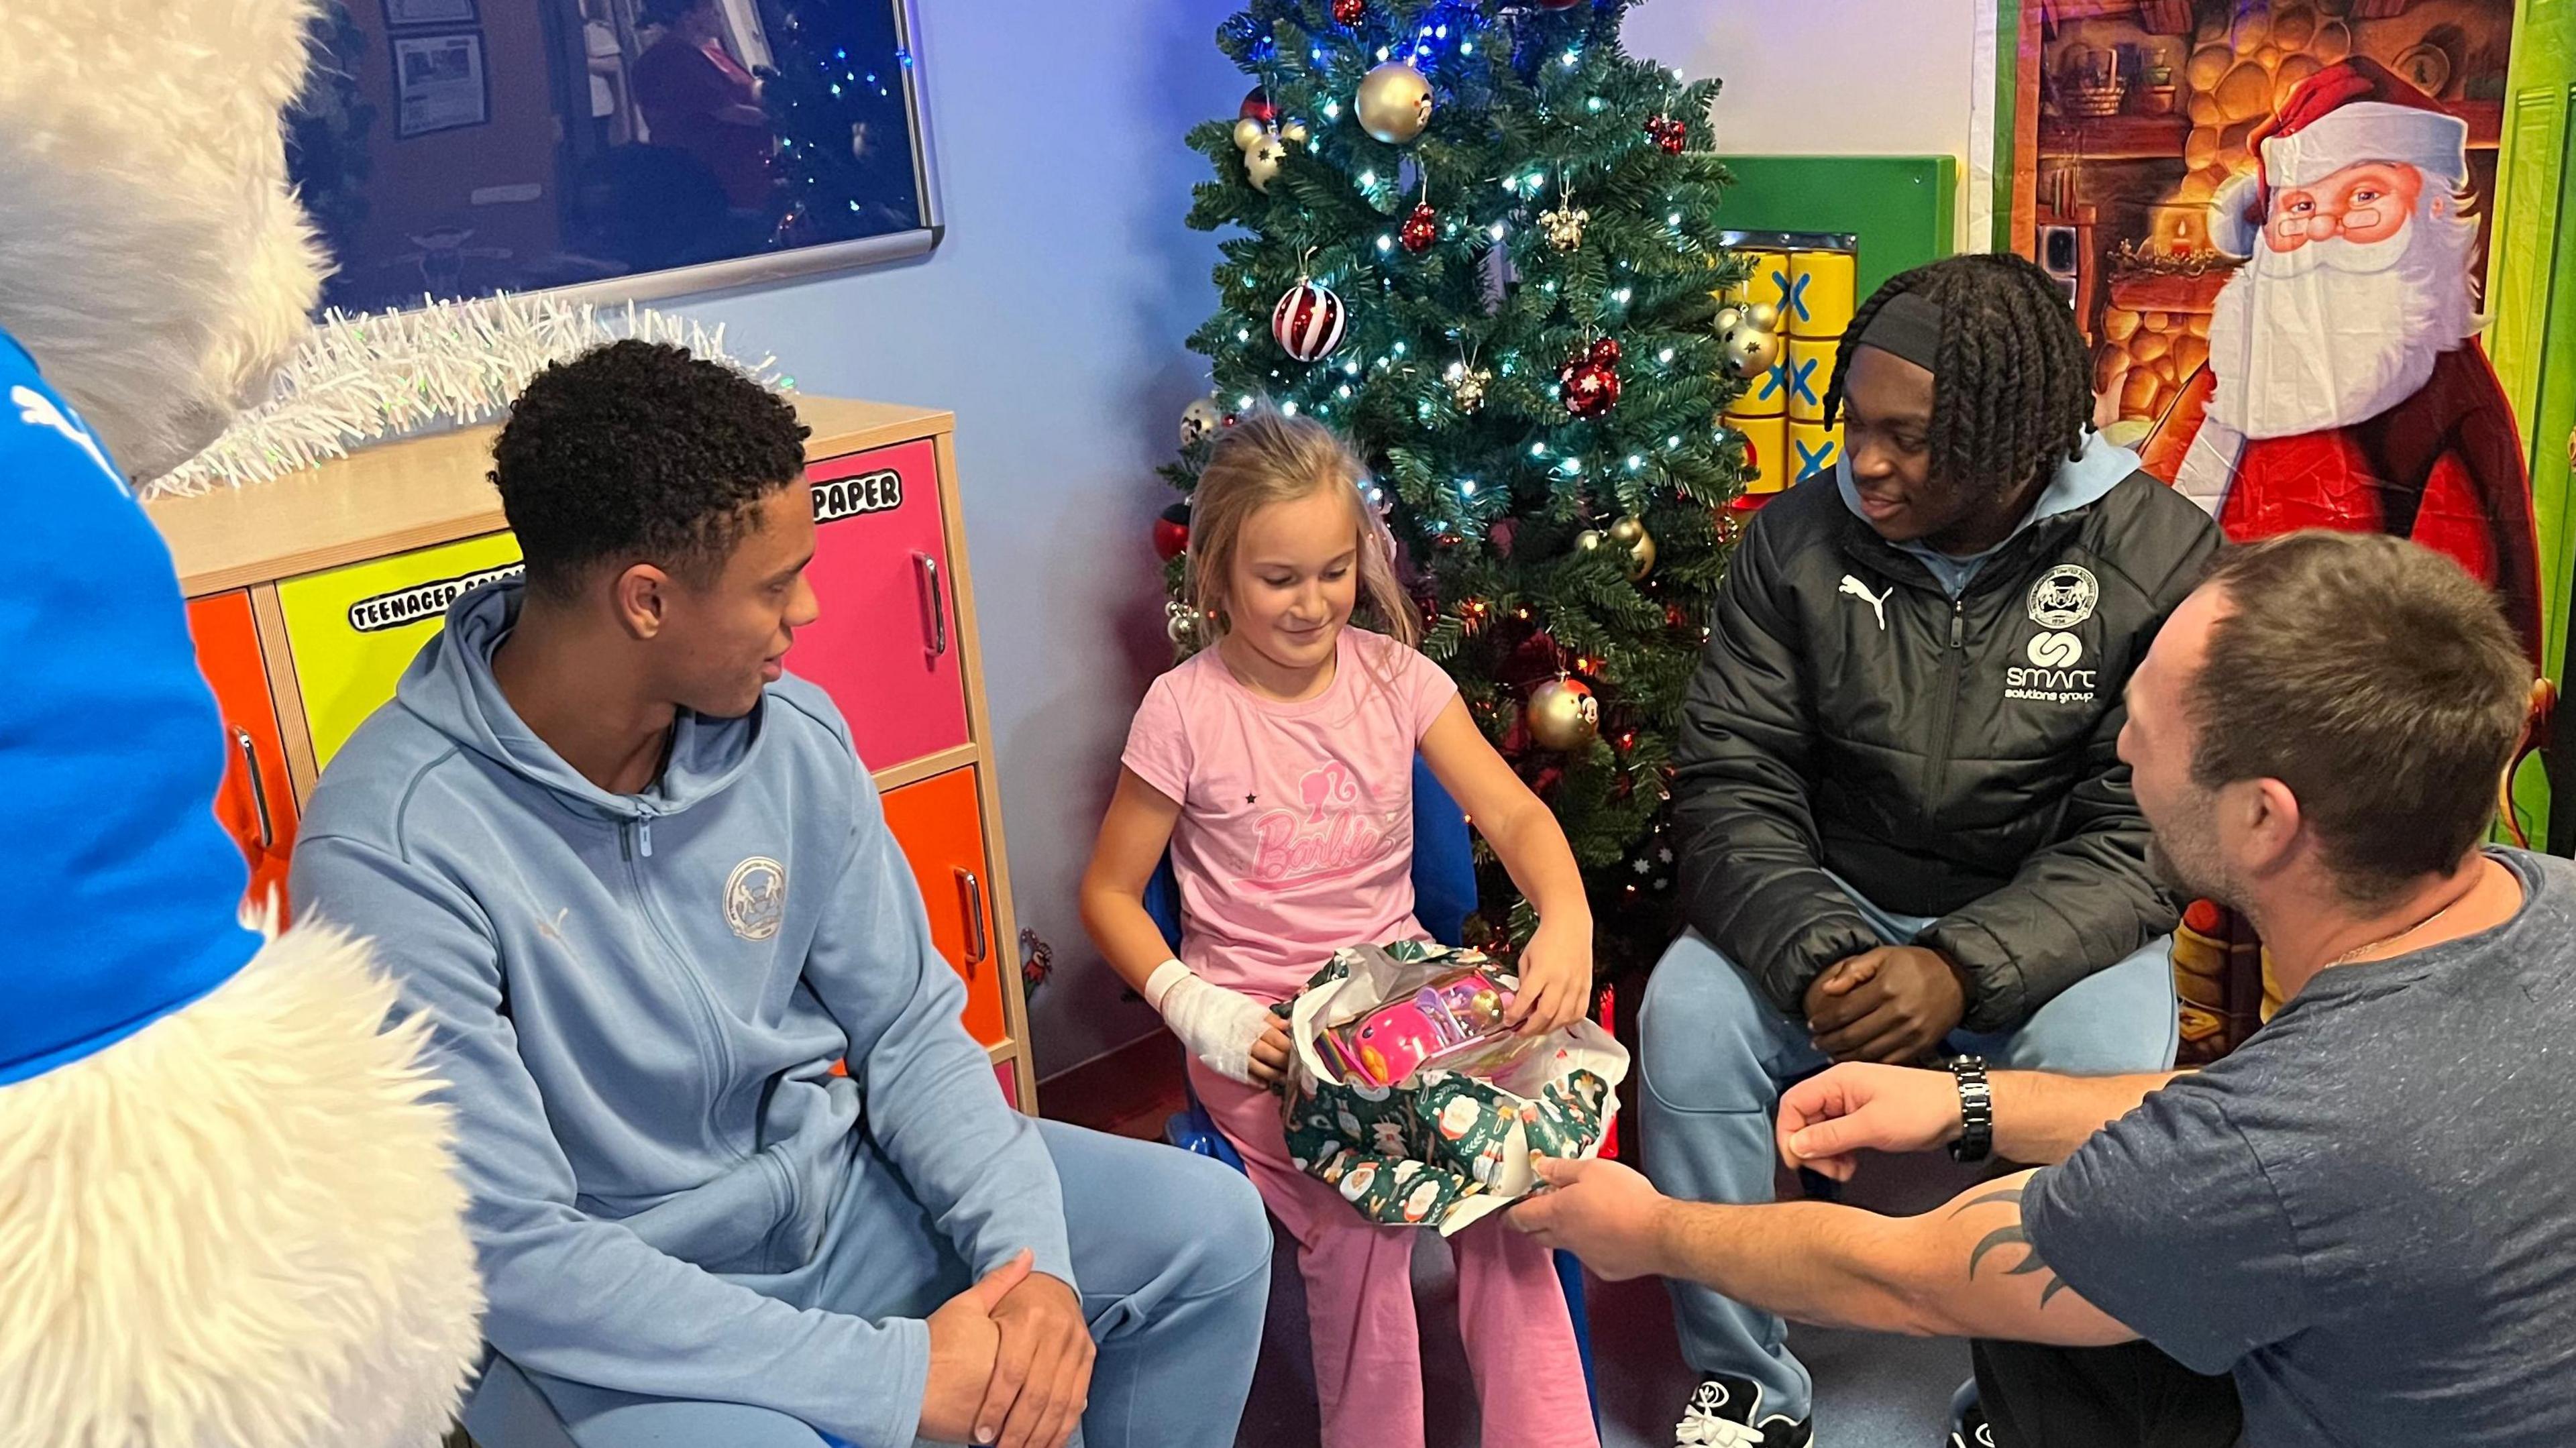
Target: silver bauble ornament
(1180,624)
(1563,715)
(1199,419)
(1393,103)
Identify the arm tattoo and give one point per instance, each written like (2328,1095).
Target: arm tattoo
(2012,1236)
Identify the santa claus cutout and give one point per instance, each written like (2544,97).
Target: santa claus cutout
(2345,387)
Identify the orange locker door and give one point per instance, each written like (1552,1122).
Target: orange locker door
(257,804)
(942,834)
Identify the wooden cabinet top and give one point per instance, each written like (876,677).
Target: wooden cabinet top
(411,494)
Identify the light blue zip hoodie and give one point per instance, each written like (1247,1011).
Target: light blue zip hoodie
(638,1000)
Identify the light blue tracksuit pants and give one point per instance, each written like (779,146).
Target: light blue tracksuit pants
(1715,1055)
(1172,1251)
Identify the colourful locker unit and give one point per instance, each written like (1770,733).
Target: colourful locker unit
(310,595)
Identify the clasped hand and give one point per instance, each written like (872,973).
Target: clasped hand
(1010,1362)
(1892,1004)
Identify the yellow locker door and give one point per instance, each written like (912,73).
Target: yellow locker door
(354,630)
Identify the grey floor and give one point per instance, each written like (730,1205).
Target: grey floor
(1872,1391)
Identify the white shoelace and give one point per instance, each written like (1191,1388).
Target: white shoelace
(1701,1427)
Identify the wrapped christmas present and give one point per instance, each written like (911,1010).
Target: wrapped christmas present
(1411,1098)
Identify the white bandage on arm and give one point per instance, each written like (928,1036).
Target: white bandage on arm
(1217,1025)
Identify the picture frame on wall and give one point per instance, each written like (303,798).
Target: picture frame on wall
(400,13)
(440,83)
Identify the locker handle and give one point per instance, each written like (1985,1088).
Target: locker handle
(938,608)
(258,787)
(979,941)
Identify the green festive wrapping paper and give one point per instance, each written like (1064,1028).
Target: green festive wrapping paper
(1441,1149)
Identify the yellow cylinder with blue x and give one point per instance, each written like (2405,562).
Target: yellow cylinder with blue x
(1818,301)
(1814,450)
(1811,372)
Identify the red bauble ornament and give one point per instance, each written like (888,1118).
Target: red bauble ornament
(1256,104)
(1420,229)
(1591,390)
(1309,321)
(1350,12)
(1589,380)
(1668,133)
(1172,532)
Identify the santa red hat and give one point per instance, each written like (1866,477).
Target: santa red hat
(2353,111)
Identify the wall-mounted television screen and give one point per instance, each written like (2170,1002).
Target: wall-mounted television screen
(632,148)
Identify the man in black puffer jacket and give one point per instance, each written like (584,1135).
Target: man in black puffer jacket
(1903,826)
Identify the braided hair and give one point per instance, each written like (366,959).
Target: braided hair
(2013,391)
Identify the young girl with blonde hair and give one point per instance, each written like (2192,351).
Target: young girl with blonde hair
(1277,767)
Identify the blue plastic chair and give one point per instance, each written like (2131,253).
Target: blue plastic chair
(1444,891)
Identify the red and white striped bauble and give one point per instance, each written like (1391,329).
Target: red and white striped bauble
(1309,321)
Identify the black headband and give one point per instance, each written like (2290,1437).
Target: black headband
(1907,325)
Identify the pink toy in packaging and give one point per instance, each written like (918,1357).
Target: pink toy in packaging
(1454,1022)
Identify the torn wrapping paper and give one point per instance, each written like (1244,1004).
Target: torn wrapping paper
(1442,1147)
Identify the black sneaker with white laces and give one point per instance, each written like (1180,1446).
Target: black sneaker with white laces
(1726,1412)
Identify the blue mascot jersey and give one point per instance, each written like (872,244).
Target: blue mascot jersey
(120,895)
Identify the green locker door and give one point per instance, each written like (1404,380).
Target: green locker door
(2532,294)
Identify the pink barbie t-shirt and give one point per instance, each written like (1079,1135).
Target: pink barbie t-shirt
(1296,829)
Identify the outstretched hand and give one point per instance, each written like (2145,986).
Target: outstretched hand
(1828,1117)
(1600,1211)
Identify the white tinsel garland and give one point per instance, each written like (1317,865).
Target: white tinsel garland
(379,376)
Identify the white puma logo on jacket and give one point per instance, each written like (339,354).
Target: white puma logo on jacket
(1877,601)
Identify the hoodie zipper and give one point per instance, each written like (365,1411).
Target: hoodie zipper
(635,833)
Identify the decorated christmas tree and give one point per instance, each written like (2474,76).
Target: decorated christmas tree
(1481,239)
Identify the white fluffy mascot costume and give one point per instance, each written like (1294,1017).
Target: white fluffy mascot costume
(228,1217)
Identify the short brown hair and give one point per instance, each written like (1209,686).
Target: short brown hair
(2375,679)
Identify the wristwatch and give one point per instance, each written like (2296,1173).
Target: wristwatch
(1976,1111)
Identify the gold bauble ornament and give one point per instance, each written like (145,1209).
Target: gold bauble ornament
(1564,225)
(1750,353)
(1590,540)
(1630,534)
(1749,338)
(1563,715)
(1249,132)
(1393,103)
(1293,132)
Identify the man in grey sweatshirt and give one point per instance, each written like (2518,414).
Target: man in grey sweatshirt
(641,884)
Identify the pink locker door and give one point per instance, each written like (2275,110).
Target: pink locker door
(886,646)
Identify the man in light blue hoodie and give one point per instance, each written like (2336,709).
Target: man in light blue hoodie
(642,886)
